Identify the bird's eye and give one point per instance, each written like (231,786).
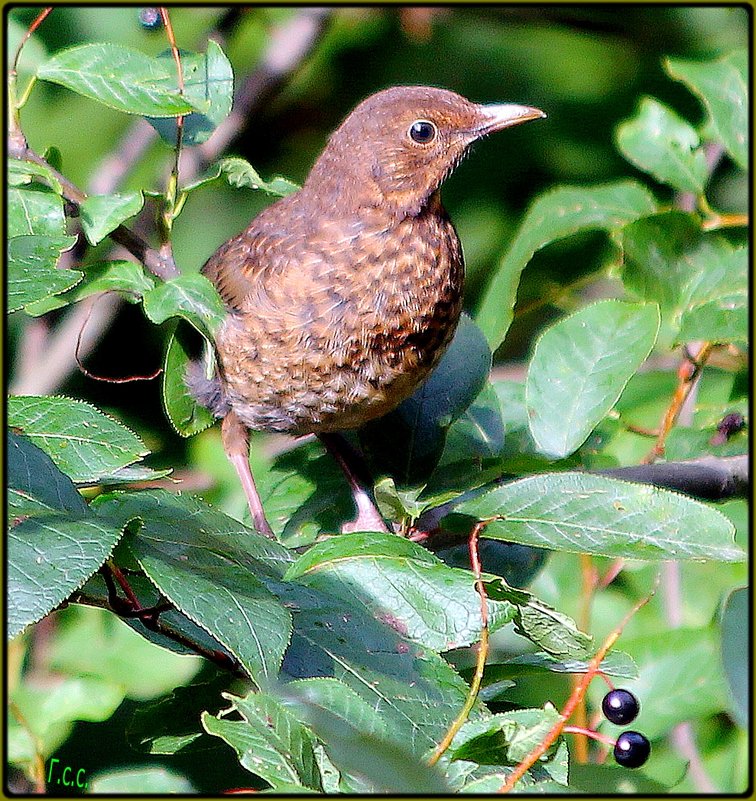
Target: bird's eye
(423,132)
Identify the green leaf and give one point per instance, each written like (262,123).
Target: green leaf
(505,738)
(270,742)
(305,495)
(208,83)
(663,144)
(735,637)
(191,297)
(716,296)
(82,441)
(357,742)
(22,172)
(241,174)
(478,433)
(553,216)
(722,85)
(585,513)
(407,443)
(616,663)
(35,484)
(127,277)
(580,367)
(32,275)
(540,623)
(186,415)
(129,781)
(415,690)
(210,567)
(401,583)
(54,545)
(101,214)
(35,211)
(605,780)
(131,474)
(654,249)
(119,77)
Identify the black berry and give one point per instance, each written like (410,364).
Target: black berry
(620,707)
(150,18)
(631,749)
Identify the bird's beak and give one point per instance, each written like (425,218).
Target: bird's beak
(498,116)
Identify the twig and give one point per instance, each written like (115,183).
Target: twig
(16,136)
(107,379)
(480,664)
(589,576)
(217,657)
(59,355)
(33,27)
(710,478)
(572,702)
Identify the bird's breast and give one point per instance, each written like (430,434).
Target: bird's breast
(354,324)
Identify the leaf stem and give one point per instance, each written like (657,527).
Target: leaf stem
(480,665)
(171,208)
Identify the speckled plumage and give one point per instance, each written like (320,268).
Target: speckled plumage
(343,296)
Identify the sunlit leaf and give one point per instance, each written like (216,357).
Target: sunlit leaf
(580,367)
(555,215)
(119,77)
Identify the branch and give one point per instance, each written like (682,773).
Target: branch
(710,478)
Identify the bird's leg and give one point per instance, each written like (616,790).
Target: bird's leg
(235,438)
(368,517)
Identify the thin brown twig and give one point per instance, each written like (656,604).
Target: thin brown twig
(589,576)
(25,38)
(107,379)
(480,664)
(217,657)
(575,698)
(687,376)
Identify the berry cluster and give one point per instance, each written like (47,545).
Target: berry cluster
(621,707)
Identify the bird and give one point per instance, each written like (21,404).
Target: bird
(342,297)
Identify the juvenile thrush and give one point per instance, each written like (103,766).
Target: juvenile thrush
(343,296)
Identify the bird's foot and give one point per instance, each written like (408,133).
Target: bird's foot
(368,517)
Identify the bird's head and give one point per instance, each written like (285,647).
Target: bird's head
(398,146)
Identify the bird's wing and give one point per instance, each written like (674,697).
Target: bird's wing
(234,270)
(240,268)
